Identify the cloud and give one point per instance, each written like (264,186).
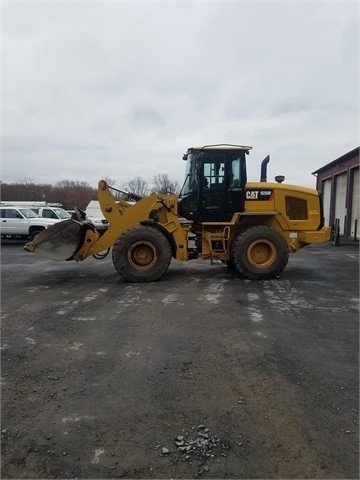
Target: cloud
(94,89)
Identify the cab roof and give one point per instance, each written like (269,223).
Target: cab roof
(222,146)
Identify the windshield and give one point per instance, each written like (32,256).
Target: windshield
(61,213)
(28,213)
(190,183)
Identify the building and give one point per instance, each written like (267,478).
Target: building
(339,183)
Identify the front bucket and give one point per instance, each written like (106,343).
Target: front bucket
(60,241)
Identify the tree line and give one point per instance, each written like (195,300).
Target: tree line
(74,193)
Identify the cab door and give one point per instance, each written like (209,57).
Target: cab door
(222,191)
(237,182)
(213,198)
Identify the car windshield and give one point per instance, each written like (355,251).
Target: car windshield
(61,213)
(28,213)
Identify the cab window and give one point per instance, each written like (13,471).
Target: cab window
(214,172)
(237,174)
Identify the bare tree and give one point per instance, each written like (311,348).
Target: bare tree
(67,192)
(74,193)
(138,186)
(110,181)
(25,190)
(163,184)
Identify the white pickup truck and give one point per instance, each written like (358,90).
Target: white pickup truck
(22,222)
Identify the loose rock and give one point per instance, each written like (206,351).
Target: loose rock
(203,446)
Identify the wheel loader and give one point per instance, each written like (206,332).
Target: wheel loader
(219,216)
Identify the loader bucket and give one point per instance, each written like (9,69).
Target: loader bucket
(60,241)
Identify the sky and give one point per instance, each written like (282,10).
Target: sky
(122,89)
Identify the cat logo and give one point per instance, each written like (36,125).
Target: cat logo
(258,194)
(252,195)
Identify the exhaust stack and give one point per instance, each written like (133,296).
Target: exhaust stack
(263,176)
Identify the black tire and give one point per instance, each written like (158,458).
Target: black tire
(141,254)
(35,232)
(260,253)
(231,265)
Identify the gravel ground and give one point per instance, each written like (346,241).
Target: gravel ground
(199,375)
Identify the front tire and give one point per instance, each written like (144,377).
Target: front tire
(141,254)
(260,253)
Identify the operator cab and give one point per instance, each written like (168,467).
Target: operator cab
(214,187)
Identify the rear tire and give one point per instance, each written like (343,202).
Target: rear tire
(260,253)
(141,254)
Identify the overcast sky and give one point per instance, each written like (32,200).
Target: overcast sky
(122,89)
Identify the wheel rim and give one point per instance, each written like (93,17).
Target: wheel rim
(142,255)
(261,253)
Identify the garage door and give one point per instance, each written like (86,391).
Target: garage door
(326,195)
(355,203)
(340,192)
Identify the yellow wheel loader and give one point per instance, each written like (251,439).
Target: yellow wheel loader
(219,215)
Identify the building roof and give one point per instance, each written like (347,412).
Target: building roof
(338,161)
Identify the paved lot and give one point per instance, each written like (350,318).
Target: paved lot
(100,377)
